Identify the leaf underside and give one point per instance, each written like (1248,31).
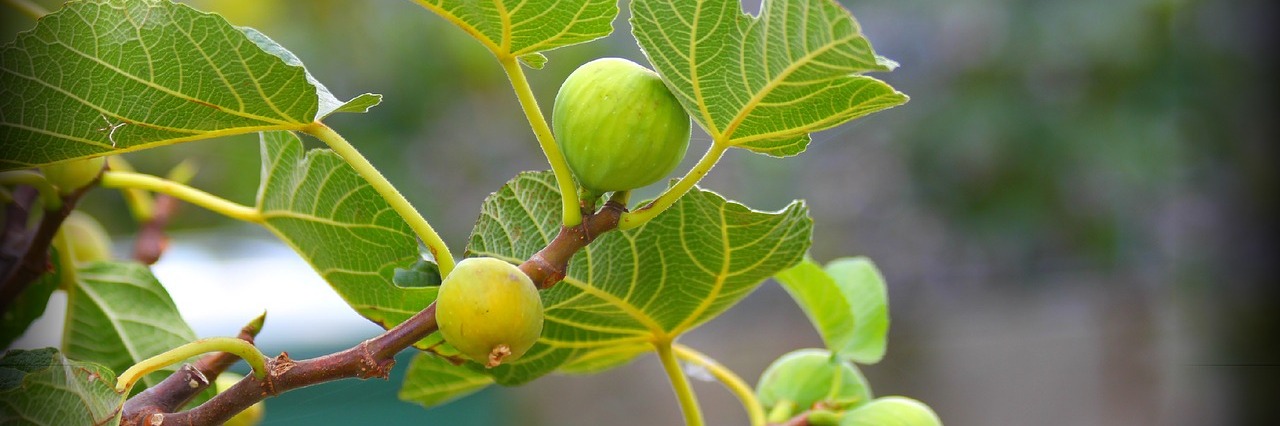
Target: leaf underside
(43,387)
(524,28)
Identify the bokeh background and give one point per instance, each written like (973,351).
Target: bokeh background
(1075,213)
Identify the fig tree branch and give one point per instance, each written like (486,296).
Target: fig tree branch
(370,358)
(25,253)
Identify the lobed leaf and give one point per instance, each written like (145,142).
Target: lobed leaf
(629,289)
(118,314)
(108,76)
(523,28)
(763,83)
(847,302)
(44,387)
(333,218)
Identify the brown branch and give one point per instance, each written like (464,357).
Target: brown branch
(375,357)
(152,240)
(180,387)
(33,252)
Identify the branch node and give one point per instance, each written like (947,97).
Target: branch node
(156,419)
(370,366)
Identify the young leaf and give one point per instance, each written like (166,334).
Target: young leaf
(763,83)
(630,288)
(892,411)
(119,315)
(523,28)
(847,303)
(315,202)
(432,381)
(44,387)
(108,76)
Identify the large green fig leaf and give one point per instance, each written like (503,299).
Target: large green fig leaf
(45,388)
(316,203)
(524,28)
(763,83)
(108,76)
(846,301)
(630,289)
(118,314)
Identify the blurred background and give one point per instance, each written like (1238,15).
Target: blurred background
(1075,213)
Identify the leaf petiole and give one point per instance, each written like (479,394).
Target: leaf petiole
(365,169)
(669,197)
(129,180)
(572,215)
(735,384)
(680,384)
(245,350)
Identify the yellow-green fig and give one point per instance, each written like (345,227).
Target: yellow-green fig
(88,239)
(619,126)
(250,416)
(69,176)
(489,310)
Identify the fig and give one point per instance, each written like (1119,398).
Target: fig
(69,176)
(618,126)
(811,378)
(88,239)
(250,416)
(489,310)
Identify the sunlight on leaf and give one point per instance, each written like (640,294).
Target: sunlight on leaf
(629,289)
(763,83)
(99,77)
(337,222)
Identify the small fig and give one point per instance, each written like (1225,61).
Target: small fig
(69,176)
(489,310)
(88,240)
(618,126)
(803,378)
(250,416)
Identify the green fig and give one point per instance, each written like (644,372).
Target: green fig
(798,380)
(489,310)
(88,239)
(69,176)
(619,126)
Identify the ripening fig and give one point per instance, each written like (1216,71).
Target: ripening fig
(618,126)
(69,176)
(250,416)
(489,310)
(88,240)
(799,379)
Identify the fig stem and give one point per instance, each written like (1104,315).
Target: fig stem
(48,194)
(365,169)
(680,384)
(669,197)
(245,350)
(735,384)
(139,201)
(572,216)
(129,180)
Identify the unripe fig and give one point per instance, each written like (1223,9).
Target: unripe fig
(250,416)
(618,126)
(804,377)
(489,310)
(88,240)
(69,176)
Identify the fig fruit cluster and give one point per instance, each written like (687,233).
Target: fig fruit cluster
(489,310)
(618,126)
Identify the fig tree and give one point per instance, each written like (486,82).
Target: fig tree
(618,126)
(69,176)
(798,380)
(489,310)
